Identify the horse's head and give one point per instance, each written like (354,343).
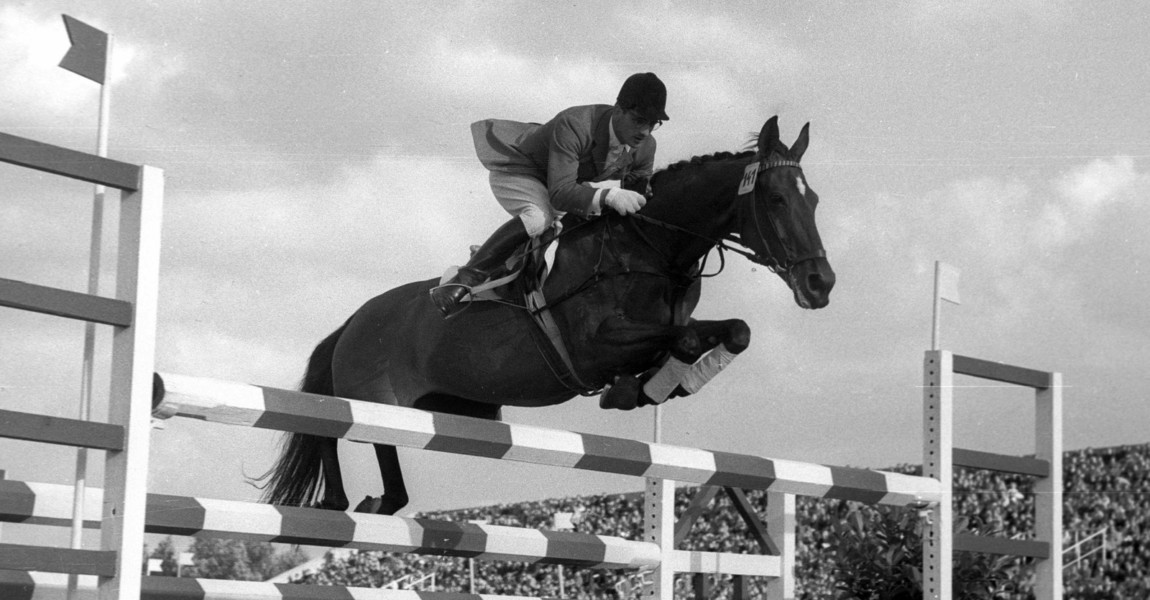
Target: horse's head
(776,213)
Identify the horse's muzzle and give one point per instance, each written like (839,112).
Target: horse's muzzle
(811,282)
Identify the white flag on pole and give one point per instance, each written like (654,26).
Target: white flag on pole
(155,565)
(948,282)
(186,559)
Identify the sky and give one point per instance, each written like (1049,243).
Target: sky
(316,155)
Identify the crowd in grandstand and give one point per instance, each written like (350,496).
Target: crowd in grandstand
(1106,490)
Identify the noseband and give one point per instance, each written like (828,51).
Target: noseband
(748,196)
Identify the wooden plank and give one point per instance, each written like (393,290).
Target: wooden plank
(995,371)
(63,303)
(239,404)
(699,504)
(56,430)
(1022,465)
(50,504)
(43,586)
(725,563)
(17,557)
(751,518)
(966,542)
(69,163)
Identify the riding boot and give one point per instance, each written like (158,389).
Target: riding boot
(492,254)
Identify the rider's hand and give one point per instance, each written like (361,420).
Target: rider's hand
(625,202)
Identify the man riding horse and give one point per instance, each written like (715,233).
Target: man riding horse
(538,173)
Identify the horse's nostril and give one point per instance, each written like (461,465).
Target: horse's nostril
(820,283)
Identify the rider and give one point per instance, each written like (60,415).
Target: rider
(538,173)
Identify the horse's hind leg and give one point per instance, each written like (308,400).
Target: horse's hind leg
(394,490)
(334,496)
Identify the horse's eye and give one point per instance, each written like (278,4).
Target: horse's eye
(777,200)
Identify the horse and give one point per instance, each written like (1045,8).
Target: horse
(621,291)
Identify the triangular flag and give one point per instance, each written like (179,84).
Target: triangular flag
(948,282)
(88,55)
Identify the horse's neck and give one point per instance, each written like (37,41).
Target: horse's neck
(702,204)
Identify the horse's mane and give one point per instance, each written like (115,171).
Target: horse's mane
(697,161)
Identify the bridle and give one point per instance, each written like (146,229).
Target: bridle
(747,197)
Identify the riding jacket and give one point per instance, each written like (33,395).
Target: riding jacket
(564,153)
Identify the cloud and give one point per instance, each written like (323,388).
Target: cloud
(301,258)
(1098,183)
(997,13)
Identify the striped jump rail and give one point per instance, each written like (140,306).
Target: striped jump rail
(287,410)
(50,504)
(16,585)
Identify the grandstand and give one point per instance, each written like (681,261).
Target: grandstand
(1107,490)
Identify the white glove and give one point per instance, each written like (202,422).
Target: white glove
(625,202)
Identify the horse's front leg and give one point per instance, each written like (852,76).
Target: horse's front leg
(722,341)
(684,374)
(623,337)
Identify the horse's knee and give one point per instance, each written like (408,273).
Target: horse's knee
(688,347)
(738,336)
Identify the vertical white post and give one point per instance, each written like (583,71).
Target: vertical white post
(130,400)
(781,529)
(1048,490)
(96,246)
(938,463)
(936,318)
(659,529)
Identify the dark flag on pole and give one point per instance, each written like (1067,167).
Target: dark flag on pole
(88,55)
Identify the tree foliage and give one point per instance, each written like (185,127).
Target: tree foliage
(215,558)
(879,557)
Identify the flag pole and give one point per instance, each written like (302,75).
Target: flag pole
(936,327)
(658,437)
(94,251)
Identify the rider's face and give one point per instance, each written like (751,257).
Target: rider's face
(630,127)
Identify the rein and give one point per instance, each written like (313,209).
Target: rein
(747,190)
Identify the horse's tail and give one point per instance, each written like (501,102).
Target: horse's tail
(296,479)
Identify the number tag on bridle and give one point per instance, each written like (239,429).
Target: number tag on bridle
(750,175)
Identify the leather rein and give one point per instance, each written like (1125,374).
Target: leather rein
(748,194)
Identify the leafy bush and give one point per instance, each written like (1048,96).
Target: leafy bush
(879,557)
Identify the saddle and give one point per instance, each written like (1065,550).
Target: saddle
(520,282)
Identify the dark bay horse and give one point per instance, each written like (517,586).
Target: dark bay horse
(621,292)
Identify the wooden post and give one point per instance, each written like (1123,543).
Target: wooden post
(938,463)
(130,403)
(701,586)
(742,589)
(659,529)
(1048,490)
(781,529)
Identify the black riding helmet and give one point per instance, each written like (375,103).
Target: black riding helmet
(645,94)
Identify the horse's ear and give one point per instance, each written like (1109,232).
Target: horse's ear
(769,137)
(800,145)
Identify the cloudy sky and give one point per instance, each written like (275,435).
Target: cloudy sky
(318,154)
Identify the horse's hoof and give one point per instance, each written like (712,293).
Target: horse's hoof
(369,505)
(622,395)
